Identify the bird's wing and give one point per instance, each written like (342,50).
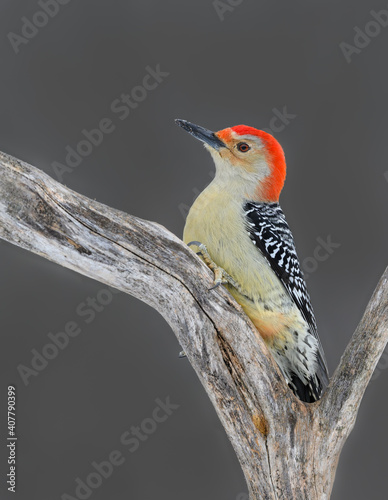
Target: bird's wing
(269,231)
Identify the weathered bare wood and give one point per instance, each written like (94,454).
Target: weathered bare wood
(287,449)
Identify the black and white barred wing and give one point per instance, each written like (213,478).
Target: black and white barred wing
(269,231)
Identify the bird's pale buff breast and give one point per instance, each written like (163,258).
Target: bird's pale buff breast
(216,219)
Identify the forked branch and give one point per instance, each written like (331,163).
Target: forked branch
(283,445)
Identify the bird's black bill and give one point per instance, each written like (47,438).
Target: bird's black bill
(201,133)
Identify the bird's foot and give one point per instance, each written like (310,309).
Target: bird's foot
(221,277)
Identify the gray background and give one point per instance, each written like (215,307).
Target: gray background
(263,55)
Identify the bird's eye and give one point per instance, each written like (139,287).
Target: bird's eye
(243,147)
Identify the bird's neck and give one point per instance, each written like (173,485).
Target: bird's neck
(245,187)
(254,185)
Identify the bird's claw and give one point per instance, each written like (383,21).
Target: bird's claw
(221,277)
(203,252)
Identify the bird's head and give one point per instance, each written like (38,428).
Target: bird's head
(245,158)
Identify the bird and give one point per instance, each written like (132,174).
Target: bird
(240,231)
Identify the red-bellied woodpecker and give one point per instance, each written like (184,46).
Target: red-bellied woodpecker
(242,234)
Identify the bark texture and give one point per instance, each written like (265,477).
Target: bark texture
(287,449)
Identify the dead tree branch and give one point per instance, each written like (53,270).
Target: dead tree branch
(287,449)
